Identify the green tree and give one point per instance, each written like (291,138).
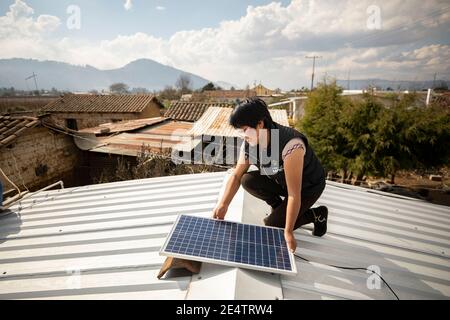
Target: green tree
(321,123)
(184,83)
(208,86)
(118,88)
(365,137)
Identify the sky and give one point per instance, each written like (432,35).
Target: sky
(236,41)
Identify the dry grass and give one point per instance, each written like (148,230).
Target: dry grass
(150,165)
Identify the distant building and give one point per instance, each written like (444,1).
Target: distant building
(223,95)
(262,91)
(186,97)
(83,111)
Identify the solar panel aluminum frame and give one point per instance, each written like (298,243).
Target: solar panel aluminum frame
(162,252)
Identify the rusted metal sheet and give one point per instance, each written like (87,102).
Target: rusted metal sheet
(161,138)
(214,122)
(124,126)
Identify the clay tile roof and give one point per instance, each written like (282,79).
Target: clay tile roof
(11,127)
(191,111)
(101,103)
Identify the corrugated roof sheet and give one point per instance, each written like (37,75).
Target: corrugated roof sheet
(104,240)
(190,111)
(215,122)
(11,127)
(408,239)
(99,241)
(159,138)
(101,103)
(123,126)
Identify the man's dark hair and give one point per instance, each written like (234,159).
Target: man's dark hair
(250,112)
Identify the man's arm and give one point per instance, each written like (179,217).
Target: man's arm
(293,169)
(232,186)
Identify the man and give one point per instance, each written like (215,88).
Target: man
(294,172)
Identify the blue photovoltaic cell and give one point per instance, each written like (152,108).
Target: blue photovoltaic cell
(229,241)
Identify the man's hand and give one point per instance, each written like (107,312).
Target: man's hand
(290,240)
(220,211)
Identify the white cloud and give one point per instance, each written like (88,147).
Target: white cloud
(18,23)
(268,43)
(128,5)
(160,8)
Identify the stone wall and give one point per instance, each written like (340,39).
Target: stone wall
(38,158)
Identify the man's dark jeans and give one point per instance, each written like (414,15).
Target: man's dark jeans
(268,190)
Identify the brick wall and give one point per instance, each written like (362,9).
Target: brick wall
(53,156)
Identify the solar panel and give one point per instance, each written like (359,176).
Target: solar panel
(229,243)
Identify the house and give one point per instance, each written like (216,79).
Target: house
(35,153)
(83,111)
(102,242)
(262,91)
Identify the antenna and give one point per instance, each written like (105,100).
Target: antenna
(34,76)
(314,66)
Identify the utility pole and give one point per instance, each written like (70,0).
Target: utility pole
(313,69)
(348,80)
(434,80)
(34,76)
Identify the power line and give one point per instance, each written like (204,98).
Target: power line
(352,268)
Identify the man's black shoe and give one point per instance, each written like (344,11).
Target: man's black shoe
(320,220)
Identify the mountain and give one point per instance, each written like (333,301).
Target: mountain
(142,73)
(394,85)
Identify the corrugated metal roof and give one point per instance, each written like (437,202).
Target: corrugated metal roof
(112,233)
(101,103)
(159,138)
(123,126)
(408,239)
(215,122)
(99,241)
(11,127)
(191,111)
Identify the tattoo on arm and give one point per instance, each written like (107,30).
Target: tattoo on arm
(291,149)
